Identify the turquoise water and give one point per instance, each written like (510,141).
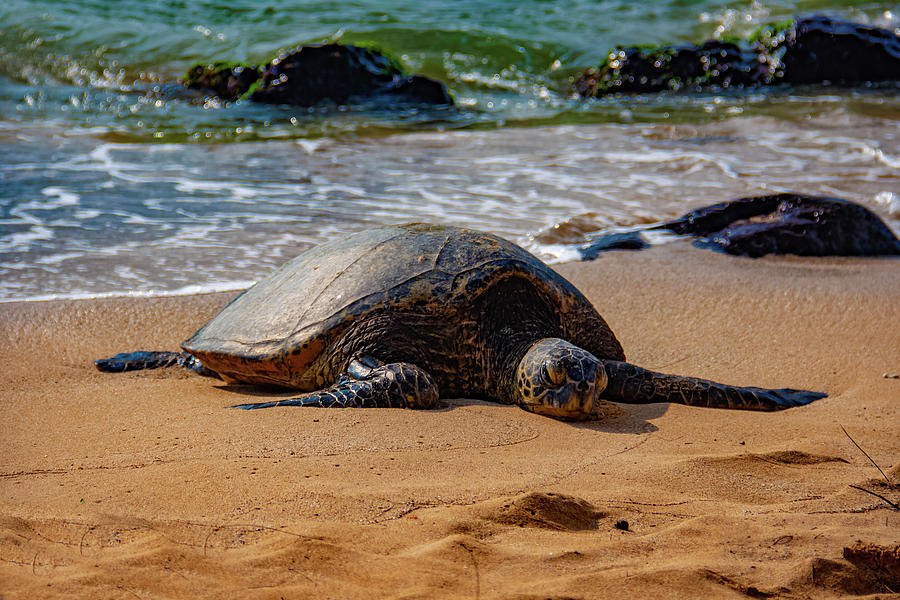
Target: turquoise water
(507,63)
(108,187)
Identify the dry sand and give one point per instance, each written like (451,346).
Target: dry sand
(145,485)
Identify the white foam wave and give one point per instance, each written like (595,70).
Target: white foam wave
(890,201)
(64,197)
(188,290)
(180,213)
(20,241)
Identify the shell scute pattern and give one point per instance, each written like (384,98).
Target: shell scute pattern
(414,288)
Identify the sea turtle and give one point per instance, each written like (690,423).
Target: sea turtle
(396,316)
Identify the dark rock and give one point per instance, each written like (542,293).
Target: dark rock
(417,89)
(657,69)
(808,50)
(777,224)
(788,224)
(317,74)
(819,49)
(228,81)
(715,217)
(311,75)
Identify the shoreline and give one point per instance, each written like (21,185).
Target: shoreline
(189,290)
(146,482)
(546,188)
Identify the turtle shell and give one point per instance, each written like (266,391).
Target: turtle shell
(278,330)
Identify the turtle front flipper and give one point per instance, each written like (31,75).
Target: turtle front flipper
(143,359)
(632,384)
(392,385)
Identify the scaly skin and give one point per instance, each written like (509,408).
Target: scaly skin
(155,359)
(561,380)
(558,379)
(395,385)
(552,378)
(632,384)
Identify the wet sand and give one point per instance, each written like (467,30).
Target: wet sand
(145,485)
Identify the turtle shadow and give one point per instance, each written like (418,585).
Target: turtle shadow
(624,418)
(614,418)
(259,390)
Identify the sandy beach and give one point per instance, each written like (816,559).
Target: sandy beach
(146,485)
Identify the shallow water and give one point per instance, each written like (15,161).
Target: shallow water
(106,189)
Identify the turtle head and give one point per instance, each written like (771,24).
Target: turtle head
(558,379)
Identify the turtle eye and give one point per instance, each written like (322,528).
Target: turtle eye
(552,375)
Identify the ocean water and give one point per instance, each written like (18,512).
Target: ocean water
(107,188)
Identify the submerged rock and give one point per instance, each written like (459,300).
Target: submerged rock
(812,49)
(638,70)
(227,81)
(777,224)
(316,74)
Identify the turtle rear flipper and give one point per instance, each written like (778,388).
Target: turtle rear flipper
(635,385)
(393,385)
(156,359)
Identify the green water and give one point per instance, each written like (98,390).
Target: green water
(507,63)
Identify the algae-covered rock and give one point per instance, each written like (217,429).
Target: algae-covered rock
(812,49)
(342,74)
(225,80)
(314,74)
(657,69)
